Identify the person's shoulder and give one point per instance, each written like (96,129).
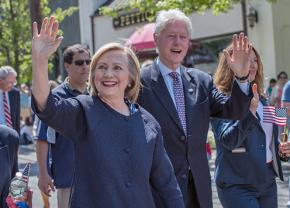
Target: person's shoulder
(286,92)
(59,90)
(148,118)
(146,71)
(85,100)
(201,75)
(287,85)
(14,91)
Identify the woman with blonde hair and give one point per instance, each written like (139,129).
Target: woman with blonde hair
(248,150)
(119,152)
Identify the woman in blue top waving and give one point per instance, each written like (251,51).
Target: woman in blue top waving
(248,151)
(119,153)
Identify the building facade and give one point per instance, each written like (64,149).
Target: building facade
(266,24)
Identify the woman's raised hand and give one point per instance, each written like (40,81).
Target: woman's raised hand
(239,58)
(45,42)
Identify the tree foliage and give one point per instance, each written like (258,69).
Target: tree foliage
(16,33)
(187,6)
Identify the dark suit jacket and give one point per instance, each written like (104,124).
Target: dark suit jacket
(248,166)
(9,142)
(201,101)
(14,100)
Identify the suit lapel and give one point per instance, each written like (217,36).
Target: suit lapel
(160,89)
(189,88)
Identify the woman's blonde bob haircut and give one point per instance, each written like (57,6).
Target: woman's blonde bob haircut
(224,76)
(133,89)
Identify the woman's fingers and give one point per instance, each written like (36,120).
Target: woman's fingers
(235,42)
(255,100)
(49,27)
(250,47)
(43,26)
(35,29)
(241,41)
(50,24)
(255,91)
(54,30)
(245,44)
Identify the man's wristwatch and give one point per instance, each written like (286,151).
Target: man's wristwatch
(242,79)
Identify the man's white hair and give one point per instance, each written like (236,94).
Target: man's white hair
(5,70)
(164,17)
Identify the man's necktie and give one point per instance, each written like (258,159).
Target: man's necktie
(179,98)
(7,111)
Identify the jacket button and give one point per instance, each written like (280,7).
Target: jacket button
(127,150)
(184,176)
(182,138)
(262,146)
(128,184)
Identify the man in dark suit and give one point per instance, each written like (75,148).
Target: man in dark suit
(183,99)
(11,96)
(9,142)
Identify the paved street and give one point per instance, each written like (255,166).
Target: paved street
(27,154)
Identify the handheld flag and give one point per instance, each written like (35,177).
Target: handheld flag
(275,115)
(26,171)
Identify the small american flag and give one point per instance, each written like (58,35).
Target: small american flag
(275,115)
(26,171)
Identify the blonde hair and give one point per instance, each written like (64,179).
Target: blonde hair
(224,76)
(133,89)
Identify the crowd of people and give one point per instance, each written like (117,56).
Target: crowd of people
(115,134)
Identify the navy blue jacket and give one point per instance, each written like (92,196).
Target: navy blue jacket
(118,159)
(249,165)
(61,166)
(202,100)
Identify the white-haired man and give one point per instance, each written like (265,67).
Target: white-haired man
(9,99)
(183,99)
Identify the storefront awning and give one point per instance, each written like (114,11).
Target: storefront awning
(142,38)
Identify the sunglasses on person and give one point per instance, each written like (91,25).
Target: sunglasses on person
(81,62)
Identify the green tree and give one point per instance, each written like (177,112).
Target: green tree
(187,6)
(15,32)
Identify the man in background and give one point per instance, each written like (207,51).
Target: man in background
(9,99)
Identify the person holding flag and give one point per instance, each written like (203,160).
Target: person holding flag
(248,150)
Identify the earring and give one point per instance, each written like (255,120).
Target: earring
(129,85)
